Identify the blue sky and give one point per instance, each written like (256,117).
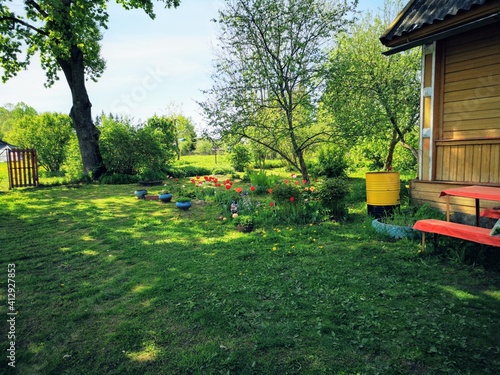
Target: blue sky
(153,67)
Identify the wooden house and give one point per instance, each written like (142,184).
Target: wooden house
(460,95)
(4,146)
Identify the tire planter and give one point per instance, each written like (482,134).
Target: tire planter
(140,194)
(395,231)
(165,197)
(183,205)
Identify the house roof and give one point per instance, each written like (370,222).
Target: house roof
(5,144)
(418,13)
(407,30)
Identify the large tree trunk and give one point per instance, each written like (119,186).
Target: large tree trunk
(87,133)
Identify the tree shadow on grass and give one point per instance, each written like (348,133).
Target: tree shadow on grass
(109,284)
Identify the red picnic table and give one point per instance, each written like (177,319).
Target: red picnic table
(476,192)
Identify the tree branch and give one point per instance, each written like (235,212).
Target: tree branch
(35,5)
(16,20)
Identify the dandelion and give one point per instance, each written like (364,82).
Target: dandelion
(275,248)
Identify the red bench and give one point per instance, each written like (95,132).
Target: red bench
(456,230)
(492,213)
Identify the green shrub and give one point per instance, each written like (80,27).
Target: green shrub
(284,193)
(152,175)
(187,171)
(332,195)
(261,181)
(240,157)
(331,163)
(118,179)
(222,171)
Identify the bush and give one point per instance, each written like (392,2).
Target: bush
(118,179)
(331,163)
(187,171)
(284,192)
(221,170)
(333,194)
(240,157)
(261,181)
(152,175)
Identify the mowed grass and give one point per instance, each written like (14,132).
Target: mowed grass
(108,284)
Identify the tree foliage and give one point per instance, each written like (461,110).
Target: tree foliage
(130,150)
(48,133)
(269,71)
(67,36)
(372,99)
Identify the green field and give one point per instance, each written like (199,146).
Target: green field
(108,284)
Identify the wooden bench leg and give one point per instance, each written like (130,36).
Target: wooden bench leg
(423,241)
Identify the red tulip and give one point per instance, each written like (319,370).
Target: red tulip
(271,204)
(252,188)
(304,182)
(270,191)
(228,186)
(292,199)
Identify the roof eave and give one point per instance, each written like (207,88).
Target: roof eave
(488,20)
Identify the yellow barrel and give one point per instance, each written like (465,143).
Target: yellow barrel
(382,192)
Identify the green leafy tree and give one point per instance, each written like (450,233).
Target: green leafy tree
(11,114)
(67,35)
(372,99)
(270,69)
(186,136)
(240,157)
(131,150)
(166,133)
(117,144)
(48,133)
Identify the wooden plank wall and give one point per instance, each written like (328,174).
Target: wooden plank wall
(471,90)
(468,138)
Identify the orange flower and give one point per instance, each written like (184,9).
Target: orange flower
(270,191)
(238,190)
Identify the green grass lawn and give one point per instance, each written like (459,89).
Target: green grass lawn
(108,284)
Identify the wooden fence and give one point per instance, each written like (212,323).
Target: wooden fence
(23,168)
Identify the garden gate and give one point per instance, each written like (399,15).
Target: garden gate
(23,167)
